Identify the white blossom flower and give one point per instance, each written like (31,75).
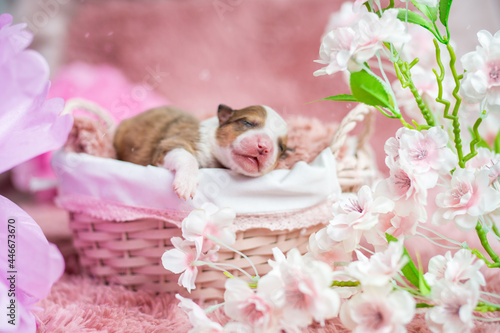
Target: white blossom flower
(344,17)
(481,82)
(391,147)
(347,48)
(453,307)
(181,259)
(248,307)
(427,150)
(486,160)
(468,197)
(197,317)
(336,51)
(404,185)
(209,220)
(321,247)
(395,225)
(460,268)
(380,268)
(378,310)
(300,288)
(356,214)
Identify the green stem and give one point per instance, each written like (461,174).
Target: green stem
(481,233)
(458,99)
(404,75)
(476,139)
(446,103)
(345,283)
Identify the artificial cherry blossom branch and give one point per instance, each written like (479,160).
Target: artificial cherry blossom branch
(476,138)
(403,73)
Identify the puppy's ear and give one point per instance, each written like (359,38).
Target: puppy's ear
(224,113)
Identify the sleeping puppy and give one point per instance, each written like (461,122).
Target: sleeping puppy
(249,141)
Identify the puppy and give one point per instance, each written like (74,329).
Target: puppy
(249,141)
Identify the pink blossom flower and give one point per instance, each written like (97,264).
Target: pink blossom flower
(406,187)
(209,221)
(356,214)
(249,307)
(197,317)
(321,247)
(468,197)
(29,126)
(460,268)
(481,82)
(453,307)
(486,160)
(427,151)
(393,145)
(182,259)
(380,268)
(395,225)
(372,31)
(38,264)
(347,48)
(378,310)
(300,288)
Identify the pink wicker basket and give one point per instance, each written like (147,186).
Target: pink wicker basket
(122,243)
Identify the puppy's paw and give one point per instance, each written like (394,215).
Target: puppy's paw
(185,185)
(185,168)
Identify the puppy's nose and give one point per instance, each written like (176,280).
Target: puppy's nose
(263,149)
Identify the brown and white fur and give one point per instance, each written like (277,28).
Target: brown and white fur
(249,141)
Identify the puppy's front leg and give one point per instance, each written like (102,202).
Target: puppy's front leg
(185,168)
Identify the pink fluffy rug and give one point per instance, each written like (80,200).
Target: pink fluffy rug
(78,304)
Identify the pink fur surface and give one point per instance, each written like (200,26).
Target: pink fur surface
(79,304)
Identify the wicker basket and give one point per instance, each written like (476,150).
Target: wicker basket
(128,250)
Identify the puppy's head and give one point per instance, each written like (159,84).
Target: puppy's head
(250,141)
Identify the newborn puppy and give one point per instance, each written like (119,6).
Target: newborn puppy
(249,141)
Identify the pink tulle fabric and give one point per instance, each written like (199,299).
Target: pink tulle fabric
(29,125)
(102,84)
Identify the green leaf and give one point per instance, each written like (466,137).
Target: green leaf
(496,144)
(482,143)
(410,271)
(369,89)
(341,98)
(415,19)
(422,284)
(429,12)
(444,11)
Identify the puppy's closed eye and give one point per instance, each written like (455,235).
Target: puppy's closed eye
(247,123)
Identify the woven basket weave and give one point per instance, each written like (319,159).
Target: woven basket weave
(129,252)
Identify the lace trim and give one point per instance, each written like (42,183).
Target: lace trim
(113,211)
